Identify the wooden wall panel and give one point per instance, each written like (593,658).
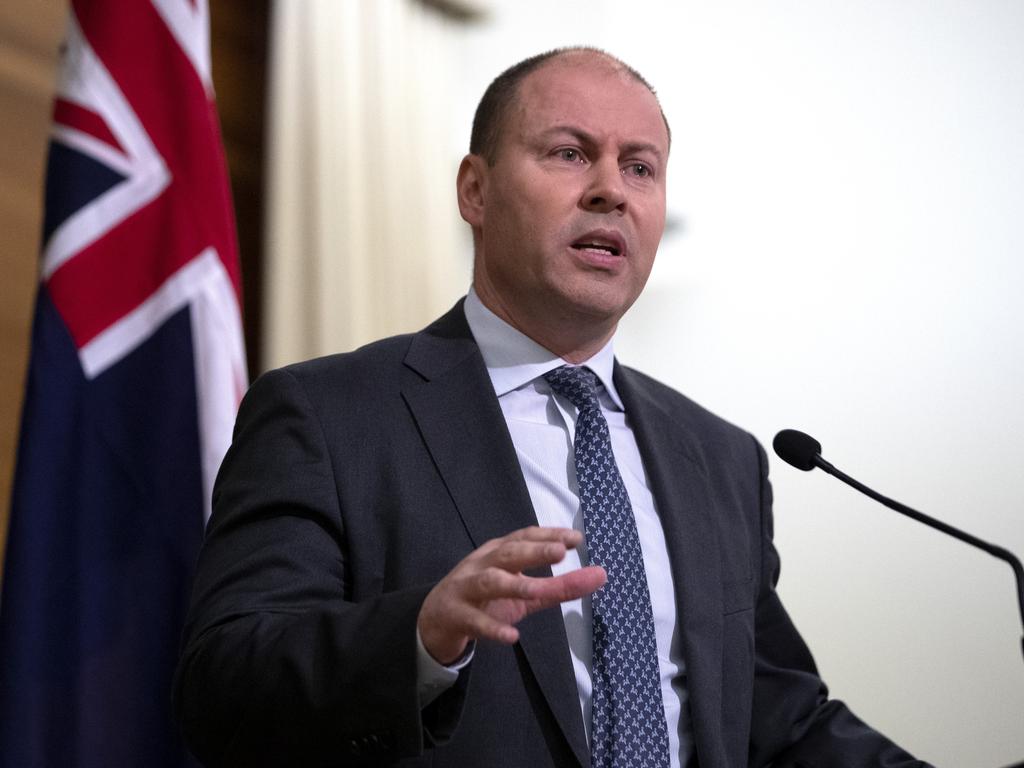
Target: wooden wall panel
(30,34)
(239,30)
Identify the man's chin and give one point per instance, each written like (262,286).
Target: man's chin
(600,304)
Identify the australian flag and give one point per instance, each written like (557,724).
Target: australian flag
(136,370)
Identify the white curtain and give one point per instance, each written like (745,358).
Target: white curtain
(363,237)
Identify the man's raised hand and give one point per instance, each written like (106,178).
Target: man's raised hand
(485,595)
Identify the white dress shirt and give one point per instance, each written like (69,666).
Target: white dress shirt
(543,426)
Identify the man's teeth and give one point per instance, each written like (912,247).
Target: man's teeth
(595,247)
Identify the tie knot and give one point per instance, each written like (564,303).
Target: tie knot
(577,383)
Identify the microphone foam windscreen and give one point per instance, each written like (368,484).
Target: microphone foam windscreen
(797,448)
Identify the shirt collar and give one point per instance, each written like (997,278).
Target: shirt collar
(514,359)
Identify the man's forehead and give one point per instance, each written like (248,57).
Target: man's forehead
(590,92)
(572,68)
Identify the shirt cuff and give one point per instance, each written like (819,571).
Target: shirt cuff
(434,678)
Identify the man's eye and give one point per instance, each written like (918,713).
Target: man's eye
(639,170)
(569,155)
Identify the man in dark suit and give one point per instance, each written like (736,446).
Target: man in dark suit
(396,571)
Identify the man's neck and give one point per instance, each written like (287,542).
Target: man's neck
(573,339)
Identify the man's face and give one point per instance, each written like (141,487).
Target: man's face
(573,208)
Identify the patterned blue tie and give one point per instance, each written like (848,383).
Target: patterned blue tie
(628,727)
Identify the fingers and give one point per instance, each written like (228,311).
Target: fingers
(496,600)
(569,536)
(565,537)
(527,548)
(495,583)
(466,606)
(519,555)
(468,620)
(487,593)
(552,590)
(540,592)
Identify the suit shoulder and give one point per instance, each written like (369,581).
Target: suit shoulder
(374,367)
(385,365)
(691,415)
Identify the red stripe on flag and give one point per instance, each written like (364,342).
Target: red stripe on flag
(194,212)
(85,120)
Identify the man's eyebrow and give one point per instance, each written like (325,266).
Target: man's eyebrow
(643,146)
(584,137)
(573,130)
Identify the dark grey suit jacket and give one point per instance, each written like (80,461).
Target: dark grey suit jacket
(356,481)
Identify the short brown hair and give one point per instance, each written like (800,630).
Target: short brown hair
(494,105)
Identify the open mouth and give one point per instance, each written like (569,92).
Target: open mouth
(599,247)
(602,242)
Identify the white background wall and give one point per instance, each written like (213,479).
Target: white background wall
(847,182)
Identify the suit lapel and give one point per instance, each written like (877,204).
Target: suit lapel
(674,462)
(465,432)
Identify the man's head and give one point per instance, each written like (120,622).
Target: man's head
(565,191)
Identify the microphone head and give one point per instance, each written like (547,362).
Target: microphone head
(797,448)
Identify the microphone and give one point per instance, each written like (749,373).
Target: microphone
(804,452)
(799,449)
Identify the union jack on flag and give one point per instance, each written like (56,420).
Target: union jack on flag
(136,371)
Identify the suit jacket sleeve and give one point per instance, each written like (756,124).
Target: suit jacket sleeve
(280,665)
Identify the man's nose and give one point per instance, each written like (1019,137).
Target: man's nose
(606,192)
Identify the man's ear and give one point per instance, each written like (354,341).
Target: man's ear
(471,187)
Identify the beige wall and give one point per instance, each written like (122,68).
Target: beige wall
(30,33)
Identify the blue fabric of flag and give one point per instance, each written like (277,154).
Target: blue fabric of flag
(105,528)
